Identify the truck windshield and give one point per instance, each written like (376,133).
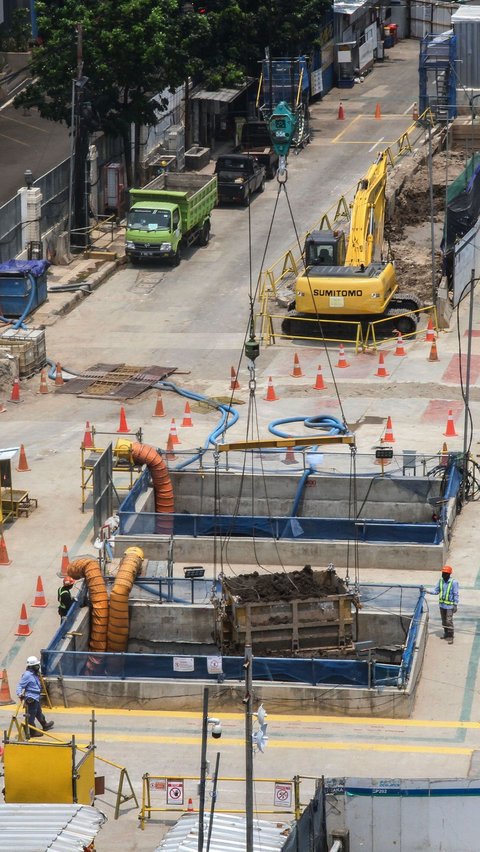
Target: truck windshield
(149,220)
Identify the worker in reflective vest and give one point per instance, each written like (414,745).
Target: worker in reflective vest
(447,591)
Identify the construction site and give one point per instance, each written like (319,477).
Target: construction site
(260,528)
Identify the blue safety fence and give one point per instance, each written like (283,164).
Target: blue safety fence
(406,601)
(246,526)
(314,672)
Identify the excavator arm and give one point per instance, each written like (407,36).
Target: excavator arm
(368,217)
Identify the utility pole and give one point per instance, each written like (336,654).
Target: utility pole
(432,212)
(79,215)
(203,770)
(248,749)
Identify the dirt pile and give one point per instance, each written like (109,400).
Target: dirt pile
(408,233)
(284,586)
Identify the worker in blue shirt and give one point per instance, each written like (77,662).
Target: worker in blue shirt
(29,689)
(447,591)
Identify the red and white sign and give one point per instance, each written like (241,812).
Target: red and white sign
(282,796)
(174,792)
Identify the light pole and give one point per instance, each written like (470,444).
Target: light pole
(216,733)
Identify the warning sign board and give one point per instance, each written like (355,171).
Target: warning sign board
(174,792)
(157,783)
(282,796)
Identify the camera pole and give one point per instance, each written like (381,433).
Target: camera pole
(203,770)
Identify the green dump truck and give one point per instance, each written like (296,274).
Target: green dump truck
(170,211)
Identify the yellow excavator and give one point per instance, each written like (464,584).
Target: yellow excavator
(353,282)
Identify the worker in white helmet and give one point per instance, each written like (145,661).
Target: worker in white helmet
(29,689)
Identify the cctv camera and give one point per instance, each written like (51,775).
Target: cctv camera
(217,731)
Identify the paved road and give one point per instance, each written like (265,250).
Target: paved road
(28,142)
(195,316)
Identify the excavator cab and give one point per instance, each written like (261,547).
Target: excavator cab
(324,248)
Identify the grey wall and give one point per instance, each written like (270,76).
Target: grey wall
(404,815)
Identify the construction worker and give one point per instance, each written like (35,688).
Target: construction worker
(447,591)
(29,689)
(65,599)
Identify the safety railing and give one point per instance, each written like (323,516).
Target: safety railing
(180,789)
(269,334)
(371,341)
(291,261)
(93,234)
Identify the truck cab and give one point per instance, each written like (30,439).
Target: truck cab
(154,231)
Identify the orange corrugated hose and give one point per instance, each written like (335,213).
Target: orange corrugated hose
(162,485)
(130,566)
(97,590)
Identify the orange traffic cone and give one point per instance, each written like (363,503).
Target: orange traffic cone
(271,395)
(5,697)
(187,416)
(170,455)
(43,382)
(388,436)
(430,335)
(15,395)
(319,383)
(87,438)
(378,113)
(22,460)
(23,628)
(415,112)
(190,806)
(174,433)
(234,383)
(289,456)
(39,599)
(4,560)
(400,348)
(58,376)
(341,112)
(382,372)
(444,456)
(342,361)
(433,352)
(64,563)
(450,427)
(123,425)
(159,412)
(297,370)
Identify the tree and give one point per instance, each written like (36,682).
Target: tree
(125,56)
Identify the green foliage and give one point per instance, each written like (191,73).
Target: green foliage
(17,35)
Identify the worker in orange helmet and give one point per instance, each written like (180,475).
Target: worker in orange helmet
(447,591)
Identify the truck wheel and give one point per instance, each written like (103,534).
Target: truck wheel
(261,188)
(176,257)
(205,235)
(246,200)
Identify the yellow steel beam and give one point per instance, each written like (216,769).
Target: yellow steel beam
(300,441)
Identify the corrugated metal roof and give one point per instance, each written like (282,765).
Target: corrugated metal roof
(466,15)
(228,833)
(8,453)
(349,7)
(56,828)
(226,96)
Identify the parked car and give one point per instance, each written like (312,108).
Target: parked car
(239,176)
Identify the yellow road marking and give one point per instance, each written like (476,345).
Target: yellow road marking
(13,139)
(349,125)
(364,721)
(23,123)
(317,745)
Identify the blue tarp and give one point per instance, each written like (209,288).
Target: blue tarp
(34,267)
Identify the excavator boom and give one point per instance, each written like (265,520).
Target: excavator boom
(368,216)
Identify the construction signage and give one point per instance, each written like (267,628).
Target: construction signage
(282,796)
(175,790)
